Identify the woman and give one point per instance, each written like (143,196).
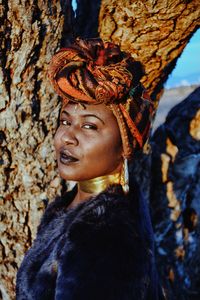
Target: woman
(96,241)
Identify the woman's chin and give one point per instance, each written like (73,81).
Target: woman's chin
(69,176)
(74,177)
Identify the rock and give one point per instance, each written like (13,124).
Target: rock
(175,190)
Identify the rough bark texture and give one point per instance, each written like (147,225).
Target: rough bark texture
(175,194)
(155,32)
(31,31)
(30,34)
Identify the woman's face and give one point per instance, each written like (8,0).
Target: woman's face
(87,142)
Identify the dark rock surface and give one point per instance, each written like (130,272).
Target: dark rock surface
(175,199)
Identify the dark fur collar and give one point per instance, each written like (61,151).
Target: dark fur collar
(100,249)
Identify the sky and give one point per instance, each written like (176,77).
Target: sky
(187,70)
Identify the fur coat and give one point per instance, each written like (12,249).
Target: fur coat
(101,249)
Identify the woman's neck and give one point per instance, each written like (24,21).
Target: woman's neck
(92,187)
(80,197)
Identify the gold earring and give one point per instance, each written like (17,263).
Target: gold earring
(125,177)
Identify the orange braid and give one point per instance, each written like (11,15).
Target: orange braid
(123,130)
(131,125)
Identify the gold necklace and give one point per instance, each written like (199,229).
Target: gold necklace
(99,184)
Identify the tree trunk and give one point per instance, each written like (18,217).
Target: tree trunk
(155,32)
(30,34)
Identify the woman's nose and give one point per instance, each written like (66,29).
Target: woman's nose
(69,138)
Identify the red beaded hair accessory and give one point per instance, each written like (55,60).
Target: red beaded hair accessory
(93,71)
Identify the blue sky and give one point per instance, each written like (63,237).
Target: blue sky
(187,70)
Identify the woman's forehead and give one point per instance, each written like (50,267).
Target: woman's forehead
(77,109)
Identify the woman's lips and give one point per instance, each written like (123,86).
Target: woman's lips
(66,157)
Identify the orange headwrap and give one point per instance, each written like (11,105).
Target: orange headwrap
(93,71)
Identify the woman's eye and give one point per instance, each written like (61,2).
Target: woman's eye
(65,122)
(90,126)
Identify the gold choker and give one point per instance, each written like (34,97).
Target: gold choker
(99,184)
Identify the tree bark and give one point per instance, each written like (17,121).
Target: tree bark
(154,31)
(30,34)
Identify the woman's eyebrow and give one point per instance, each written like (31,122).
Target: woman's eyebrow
(65,112)
(83,116)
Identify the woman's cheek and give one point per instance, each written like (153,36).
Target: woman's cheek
(57,138)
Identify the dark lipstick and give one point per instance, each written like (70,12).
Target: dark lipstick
(67,158)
